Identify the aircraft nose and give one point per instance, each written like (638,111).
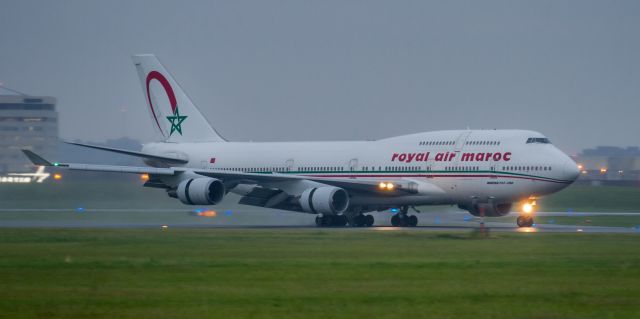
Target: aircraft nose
(571,170)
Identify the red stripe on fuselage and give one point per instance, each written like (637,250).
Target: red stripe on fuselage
(438,175)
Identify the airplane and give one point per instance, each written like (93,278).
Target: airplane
(484,172)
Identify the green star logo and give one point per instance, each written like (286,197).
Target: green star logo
(176,122)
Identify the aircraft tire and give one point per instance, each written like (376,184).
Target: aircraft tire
(340,220)
(369,220)
(413,221)
(395,220)
(524,221)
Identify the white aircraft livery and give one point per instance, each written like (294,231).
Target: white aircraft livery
(484,172)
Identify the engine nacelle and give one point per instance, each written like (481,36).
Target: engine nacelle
(495,210)
(200,191)
(325,200)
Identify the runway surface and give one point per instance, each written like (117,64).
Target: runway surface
(261,219)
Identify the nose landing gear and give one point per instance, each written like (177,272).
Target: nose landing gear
(401,219)
(526,217)
(525,221)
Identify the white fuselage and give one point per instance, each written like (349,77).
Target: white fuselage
(479,165)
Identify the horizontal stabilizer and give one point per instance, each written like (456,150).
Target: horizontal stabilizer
(36,159)
(167,159)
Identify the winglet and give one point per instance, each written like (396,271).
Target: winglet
(37,159)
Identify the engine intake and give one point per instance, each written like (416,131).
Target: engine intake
(325,200)
(200,191)
(490,210)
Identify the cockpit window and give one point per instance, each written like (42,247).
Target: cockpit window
(539,140)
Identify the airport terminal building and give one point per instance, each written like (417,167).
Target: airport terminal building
(26,122)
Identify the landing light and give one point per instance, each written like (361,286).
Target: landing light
(144,177)
(57,176)
(386,186)
(527,208)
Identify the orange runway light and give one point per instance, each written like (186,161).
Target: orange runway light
(208,213)
(57,176)
(603,170)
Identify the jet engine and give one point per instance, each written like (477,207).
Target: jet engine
(200,191)
(490,210)
(325,200)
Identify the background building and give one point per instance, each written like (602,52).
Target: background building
(26,122)
(610,164)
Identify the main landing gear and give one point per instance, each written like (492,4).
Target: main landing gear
(362,220)
(331,220)
(401,219)
(359,220)
(525,221)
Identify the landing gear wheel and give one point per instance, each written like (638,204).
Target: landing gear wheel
(331,220)
(413,221)
(340,220)
(395,220)
(524,221)
(401,219)
(362,221)
(327,221)
(368,220)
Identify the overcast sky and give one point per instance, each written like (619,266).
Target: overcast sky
(337,70)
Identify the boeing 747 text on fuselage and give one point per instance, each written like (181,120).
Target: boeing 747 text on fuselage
(484,172)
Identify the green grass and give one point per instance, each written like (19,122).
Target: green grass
(226,273)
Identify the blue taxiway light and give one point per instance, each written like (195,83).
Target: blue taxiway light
(80,209)
(228,212)
(395,210)
(467,218)
(436,221)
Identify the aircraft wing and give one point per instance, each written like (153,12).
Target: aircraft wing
(40,161)
(166,159)
(285,182)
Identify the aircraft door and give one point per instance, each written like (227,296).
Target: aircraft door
(353,164)
(289,164)
(462,139)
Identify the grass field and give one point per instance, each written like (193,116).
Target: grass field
(227,273)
